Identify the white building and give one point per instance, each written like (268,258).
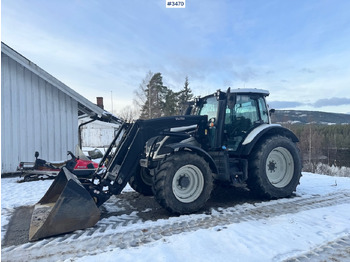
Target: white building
(38,112)
(98,134)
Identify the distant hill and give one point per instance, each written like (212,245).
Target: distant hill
(306,117)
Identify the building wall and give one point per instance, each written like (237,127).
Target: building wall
(98,134)
(35,116)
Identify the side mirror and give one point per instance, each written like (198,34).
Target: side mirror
(36,154)
(231,100)
(272,110)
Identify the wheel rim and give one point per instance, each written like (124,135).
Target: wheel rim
(280,167)
(188,183)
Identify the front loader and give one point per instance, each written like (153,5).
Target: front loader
(224,138)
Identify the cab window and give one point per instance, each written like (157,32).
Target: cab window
(209,108)
(239,120)
(244,109)
(264,115)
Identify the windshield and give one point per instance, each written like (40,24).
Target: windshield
(80,154)
(208,106)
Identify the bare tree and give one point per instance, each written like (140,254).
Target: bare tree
(141,93)
(128,114)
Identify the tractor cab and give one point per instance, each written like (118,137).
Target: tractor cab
(232,115)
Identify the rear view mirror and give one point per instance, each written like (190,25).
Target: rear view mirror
(231,100)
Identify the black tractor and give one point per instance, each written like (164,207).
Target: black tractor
(226,137)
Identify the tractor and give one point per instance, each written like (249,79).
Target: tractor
(226,137)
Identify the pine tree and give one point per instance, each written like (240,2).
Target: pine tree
(155,98)
(171,101)
(184,96)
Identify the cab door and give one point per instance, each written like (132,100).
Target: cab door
(247,113)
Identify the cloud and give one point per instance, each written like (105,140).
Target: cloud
(284,104)
(245,74)
(334,101)
(307,70)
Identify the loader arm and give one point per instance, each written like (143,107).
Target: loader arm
(72,204)
(130,149)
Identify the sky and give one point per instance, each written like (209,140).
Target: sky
(298,50)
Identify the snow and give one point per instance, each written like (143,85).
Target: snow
(261,240)
(273,238)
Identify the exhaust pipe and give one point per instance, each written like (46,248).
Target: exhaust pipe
(67,206)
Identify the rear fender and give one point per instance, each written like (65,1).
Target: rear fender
(182,146)
(263,131)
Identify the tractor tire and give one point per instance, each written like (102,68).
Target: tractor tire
(142,181)
(183,183)
(274,168)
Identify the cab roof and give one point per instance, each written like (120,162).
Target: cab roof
(250,91)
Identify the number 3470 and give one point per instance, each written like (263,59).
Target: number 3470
(175,4)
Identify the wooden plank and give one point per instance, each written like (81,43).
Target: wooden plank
(56,132)
(36,112)
(50,123)
(14,115)
(21,106)
(70,141)
(72,123)
(5,113)
(29,123)
(63,121)
(43,119)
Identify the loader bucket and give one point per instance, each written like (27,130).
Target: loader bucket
(66,206)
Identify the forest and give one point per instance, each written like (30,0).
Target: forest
(327,144)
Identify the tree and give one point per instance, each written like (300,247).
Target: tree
(155,98)
(141,93)
(171,101)
(184,96)
(128,114)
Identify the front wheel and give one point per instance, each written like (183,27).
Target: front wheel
(274,168)
(183,183)
(142,181)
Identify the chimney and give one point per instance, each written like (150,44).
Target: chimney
(100,102)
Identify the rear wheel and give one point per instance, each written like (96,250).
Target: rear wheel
(142,181)
(274,168)
(183,183)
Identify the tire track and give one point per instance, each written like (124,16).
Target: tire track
(337,250)
(110,234)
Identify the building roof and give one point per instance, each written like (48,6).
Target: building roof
(84,105)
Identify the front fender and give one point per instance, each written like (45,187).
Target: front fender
(196,149)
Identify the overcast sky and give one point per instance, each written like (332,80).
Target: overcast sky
(298,50)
